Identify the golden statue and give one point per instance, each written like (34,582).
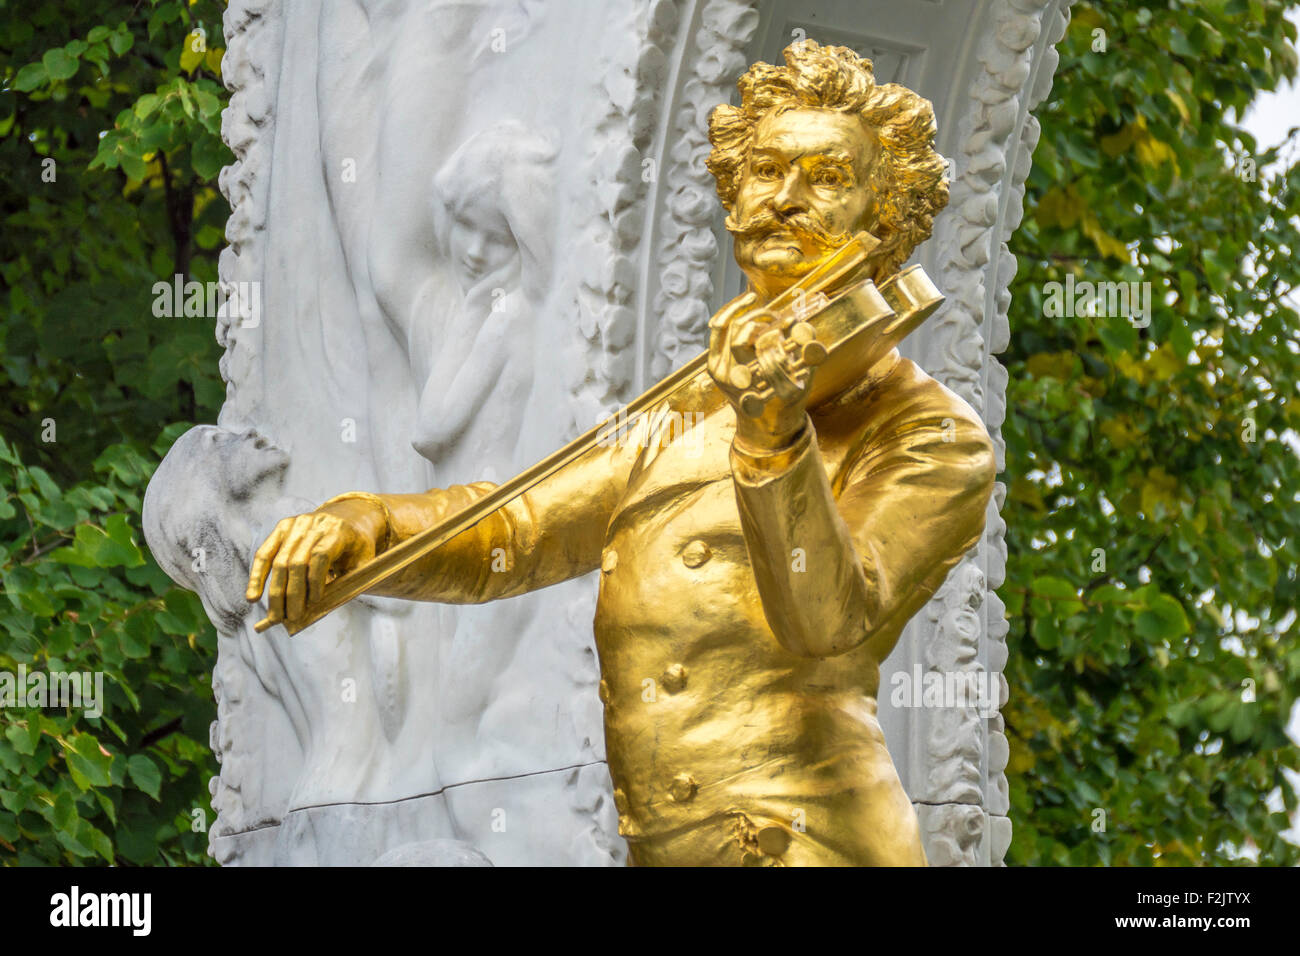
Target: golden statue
(755,573)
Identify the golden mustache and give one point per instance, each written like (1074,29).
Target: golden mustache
(800,222)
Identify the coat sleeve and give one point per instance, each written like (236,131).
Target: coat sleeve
(837,568)
(551,533)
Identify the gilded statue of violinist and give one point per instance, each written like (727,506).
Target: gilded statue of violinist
(759,573)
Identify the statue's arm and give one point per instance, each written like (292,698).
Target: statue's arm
(834,573)
(552,533)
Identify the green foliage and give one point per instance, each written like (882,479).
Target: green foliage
(82,597)
(1152,509)
(134,141)
(110,138)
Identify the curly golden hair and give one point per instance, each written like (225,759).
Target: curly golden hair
(908,178)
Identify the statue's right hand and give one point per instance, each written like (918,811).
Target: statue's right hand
(306,551)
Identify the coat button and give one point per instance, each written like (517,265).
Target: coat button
(682,788)
(609,560)
(773,840)
(674,678)
(696,553)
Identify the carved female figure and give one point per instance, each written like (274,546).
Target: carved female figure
(493,215)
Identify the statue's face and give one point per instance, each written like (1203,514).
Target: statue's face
(480,240)
(806,181)
(244,459)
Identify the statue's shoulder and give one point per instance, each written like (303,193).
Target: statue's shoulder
(896,388)
(895,407)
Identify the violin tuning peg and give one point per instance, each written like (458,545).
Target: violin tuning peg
(807,347)
(803,333)
(814,353)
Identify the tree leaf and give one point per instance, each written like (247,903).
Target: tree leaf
(88,763)
(30,77)
(59,65)
(145,774)
(1163,620)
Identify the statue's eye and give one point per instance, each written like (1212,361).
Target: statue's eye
(767,170)
(828,176)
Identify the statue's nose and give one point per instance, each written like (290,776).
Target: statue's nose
(791,199)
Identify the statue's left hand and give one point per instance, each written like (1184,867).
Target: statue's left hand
(782,418)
